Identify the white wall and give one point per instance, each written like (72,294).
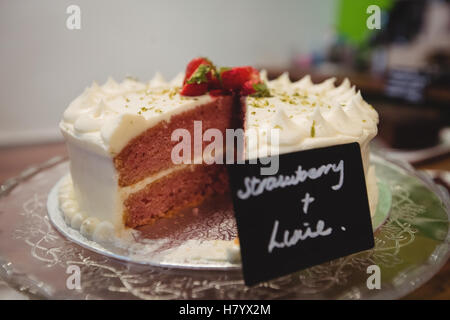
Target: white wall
(44,65)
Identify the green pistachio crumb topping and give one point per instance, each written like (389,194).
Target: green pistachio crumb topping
(173,92)
(313,129)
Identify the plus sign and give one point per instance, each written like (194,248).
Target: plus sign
(306,201)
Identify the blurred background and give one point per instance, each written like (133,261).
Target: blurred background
(396,52)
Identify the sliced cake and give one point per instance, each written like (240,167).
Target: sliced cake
(122,138)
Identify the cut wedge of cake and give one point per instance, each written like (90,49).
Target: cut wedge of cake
(122,138)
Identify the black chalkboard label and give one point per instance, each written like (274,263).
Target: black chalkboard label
(314,209)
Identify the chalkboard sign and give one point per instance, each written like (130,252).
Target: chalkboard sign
(314,209)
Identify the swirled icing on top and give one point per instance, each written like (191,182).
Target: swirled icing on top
(105,118)
(309,115)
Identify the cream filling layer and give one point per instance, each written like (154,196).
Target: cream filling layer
(125,192)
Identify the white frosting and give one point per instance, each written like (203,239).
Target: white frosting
(95,186)
(90,227)
(105,118)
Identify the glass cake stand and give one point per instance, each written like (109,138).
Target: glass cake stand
(410,247)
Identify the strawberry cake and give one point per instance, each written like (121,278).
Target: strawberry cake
(122,139)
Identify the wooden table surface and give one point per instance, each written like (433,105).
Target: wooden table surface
(14,159)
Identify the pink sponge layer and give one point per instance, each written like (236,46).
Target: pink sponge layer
(183,188)
(150,152)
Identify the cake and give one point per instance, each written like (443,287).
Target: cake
(121,143)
